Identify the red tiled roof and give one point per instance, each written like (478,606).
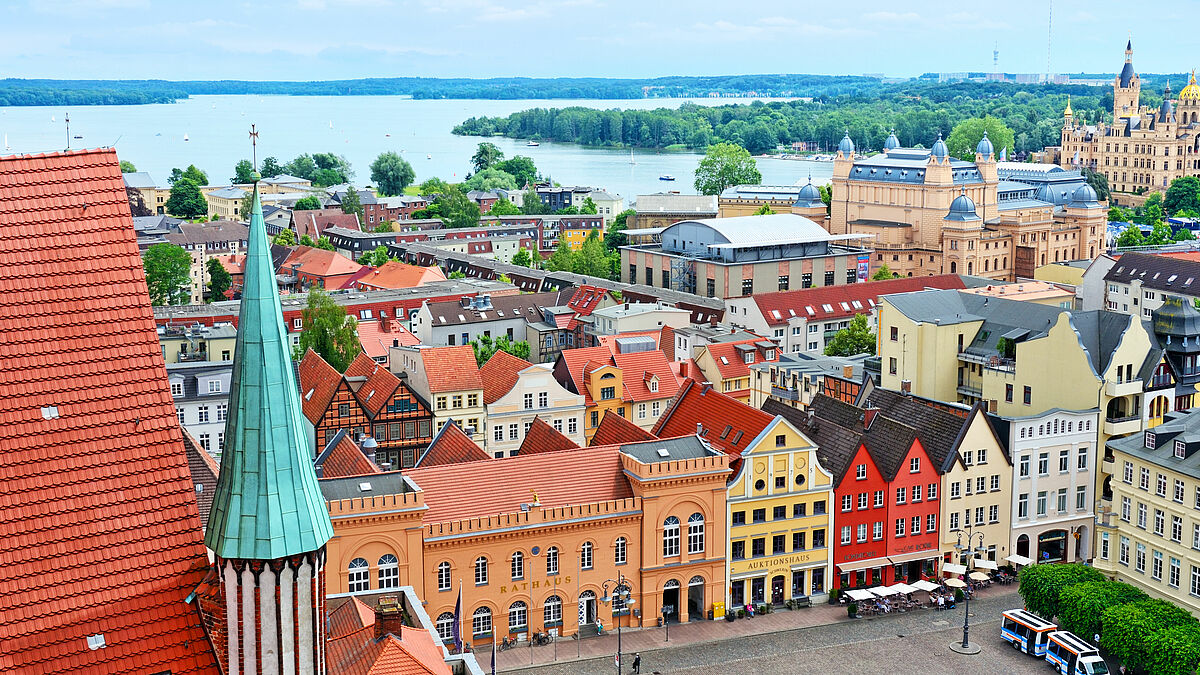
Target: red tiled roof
(451,445)
(318,262)
(395,274)
(499,375)
(500,486)
(586,299)
(451,369)
(615,429)
(346,459)
(542,437)
(315,222)
(376,389)
(779,306)
(318,383)
(117,551)
(688,368)
(352,647)
(376,341)
(203,469)
(577,362)
(726,423)
(349,617)
(638,368)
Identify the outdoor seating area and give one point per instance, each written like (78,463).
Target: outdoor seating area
(899,597)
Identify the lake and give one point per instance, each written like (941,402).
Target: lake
(359,128)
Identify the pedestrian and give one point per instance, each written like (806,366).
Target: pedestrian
(637,663)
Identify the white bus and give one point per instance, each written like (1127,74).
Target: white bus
(1071,655)
(1026,631)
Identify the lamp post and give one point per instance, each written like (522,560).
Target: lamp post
(966,647)
(624,592)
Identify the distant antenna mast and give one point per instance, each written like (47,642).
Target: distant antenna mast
(1049,38)
(996,57)
(67,119)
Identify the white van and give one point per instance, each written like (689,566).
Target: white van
(1071,655)
(1026,632)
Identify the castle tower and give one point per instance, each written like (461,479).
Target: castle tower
(268,525)
(938,171)
(1068,114)
(985,160)
(1127,87)
(1189,102)
(960,227)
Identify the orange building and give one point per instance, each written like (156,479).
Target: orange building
(532,540)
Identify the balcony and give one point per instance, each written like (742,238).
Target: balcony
(192,356)
(786,393)
(1127,388)
(970,389)
(1118,426)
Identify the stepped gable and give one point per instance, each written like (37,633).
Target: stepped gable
(111,550)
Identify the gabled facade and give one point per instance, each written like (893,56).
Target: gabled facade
(448,378)
(727,364)
(589,371)
(977,487)
(535,394)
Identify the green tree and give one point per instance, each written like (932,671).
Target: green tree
(484,347)
(1126,629)
(1174,651)
(186,200)
(765,210)
(351,203)
(562,260)
(503,207)
(306,240)
(309,203)
(168,274)
(219,280)
(285,238)
(966,135)
(491,178)
(128,167)
(385,226)
(570,210)
(519,167)
(1183,234)
(456,209)
(328,331)
(1131,236)
(1160,234)
(592,258)
(588,207)
(270,168)
(486,155)
(375,258)
(883,273)
(1116,214)
(856,338)
(391,173)
(337,168)
(1041,585)
(1152,210)
(725,165)
(614,236)
(1183,194)
(532,205)
(522,258)
(324,244)
(243,172)
(191,173)
(1081,605)
(433,186)
(1098,181)
(456,274)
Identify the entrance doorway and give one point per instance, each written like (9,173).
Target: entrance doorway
(670,600)
(696,599)
(587,608)
(777,585)
(1023,545)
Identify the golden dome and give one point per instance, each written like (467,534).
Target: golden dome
(1068,112)
(1191,92)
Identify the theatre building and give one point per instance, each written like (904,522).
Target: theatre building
(534,541)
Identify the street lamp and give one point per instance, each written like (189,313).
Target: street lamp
(622,591)
(966,647)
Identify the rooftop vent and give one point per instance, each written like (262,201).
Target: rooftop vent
(96,641)
(364,487)
(50,412)
(662,452)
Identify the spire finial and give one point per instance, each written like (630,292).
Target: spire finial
(254,147)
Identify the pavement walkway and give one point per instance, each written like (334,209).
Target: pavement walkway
(566,650)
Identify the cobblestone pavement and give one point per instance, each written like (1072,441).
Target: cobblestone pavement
(913,642)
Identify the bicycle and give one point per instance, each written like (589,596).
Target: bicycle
(505,644)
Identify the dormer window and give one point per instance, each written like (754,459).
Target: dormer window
(1180,450)
(1150,440)
(214,386)
(177,389)
(770,355)
(749,357)
(654,385)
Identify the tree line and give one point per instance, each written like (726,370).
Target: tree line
(917,111)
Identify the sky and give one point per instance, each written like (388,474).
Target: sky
(346,39)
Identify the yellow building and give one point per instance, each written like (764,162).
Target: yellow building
(747,200)
(977,490)
(779,518)
(1144,148)
(1069,272)
(448,378)
(186,344)
(1150,538)
(590,371)
(225,202)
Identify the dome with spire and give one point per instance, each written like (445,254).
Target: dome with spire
(1084,195)
(985,146)
(846,147)
(1166,112)
(892,142)
(939,150)
(1127,73)
(1190,93)
(962,209)
(1068,112)
(809,197)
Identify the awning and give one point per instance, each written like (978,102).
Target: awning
(919,555)
(1017,559)
(884,591)
(922,585)
(859,594)
(955,583)
(953,568)
(857,565)
(985,564)
(904,588)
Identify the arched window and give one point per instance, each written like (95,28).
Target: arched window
(619,551)
(518,565)
(953,267)
(481,622)
(445,626)
(671,536)
(552,560)
(443,576)
(481,571)
(696,533)
(518,616)
(970,268)
(360,575)
(389,571)
(552,612)
(585,556)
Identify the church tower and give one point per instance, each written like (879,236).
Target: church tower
(268,525)
(1127,87)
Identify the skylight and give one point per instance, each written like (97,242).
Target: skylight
(662,452)
(810,310)
(827,307)
(364,487)
(50,412)
(857,304)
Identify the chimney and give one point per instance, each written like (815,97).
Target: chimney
(706,385)
(385,323)
(848,372)
(369,446)
(699,428)
(906,387)
(395,342)
(389,616)
(869,416)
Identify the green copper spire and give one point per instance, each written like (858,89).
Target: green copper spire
(267,504)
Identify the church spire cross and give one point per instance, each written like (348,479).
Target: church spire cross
(254,147)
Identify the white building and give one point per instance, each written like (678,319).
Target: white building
(535,394)
(200,391)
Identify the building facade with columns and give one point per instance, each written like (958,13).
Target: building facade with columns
(927,213)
